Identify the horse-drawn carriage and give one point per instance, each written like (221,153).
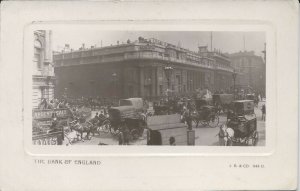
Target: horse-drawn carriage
(161,109)
(128,119)
(78,124)
(205,113)
(241,126)
(250,97)
(222,102)
(168,107)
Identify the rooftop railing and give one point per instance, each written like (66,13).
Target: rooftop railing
(193,61)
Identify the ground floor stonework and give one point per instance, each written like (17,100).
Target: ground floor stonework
(137,79)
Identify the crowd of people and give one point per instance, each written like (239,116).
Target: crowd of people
(172,104)
(93,103)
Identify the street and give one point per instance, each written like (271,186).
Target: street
(204,136)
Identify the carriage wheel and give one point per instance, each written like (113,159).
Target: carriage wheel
(114,131)
(106,126)
(214,120)
(196,121)
(204,122)
(254,138)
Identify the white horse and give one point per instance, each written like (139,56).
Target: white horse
(226,135)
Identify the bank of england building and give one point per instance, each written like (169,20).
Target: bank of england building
(147,68)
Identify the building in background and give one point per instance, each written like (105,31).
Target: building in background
(251,70)
(220,79)
(43,70)
(144,68)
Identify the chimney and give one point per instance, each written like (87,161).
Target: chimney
(83,46)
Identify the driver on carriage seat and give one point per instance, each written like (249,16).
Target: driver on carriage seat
(95,119)
(54,123)
(96,116)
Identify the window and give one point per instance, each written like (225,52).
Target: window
(125,102)
(38,54)
(178,79)
(160,89)
(43,92)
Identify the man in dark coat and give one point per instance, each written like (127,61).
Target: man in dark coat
(263,110)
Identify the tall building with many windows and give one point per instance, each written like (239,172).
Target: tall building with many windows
(143,68)
(251,70)
(43,70)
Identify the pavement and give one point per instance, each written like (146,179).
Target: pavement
(204,135)
(108,139)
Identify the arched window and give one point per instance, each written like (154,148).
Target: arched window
(38,54)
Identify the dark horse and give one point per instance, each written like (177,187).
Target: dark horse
(81,126)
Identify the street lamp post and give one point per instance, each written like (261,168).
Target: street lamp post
(234,74)
(168,71)
(114,77)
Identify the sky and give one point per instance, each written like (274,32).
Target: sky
(226,42)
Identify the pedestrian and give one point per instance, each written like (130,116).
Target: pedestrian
(172,141)
(96,118)
(263,110)
(187,117)
(54,123)
(43,104)
(126,135)
(121,138)
(101,116)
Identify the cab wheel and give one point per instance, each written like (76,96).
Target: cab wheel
(106,126)
(196,121)
(214,120)
(254,138)
(114,131)
(204,122)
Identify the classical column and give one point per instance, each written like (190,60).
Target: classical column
(159,80)
(153,81)
(141,81)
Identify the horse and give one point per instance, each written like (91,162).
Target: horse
(81,128)
(226,135)
(70,136)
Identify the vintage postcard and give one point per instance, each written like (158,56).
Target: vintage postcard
(150,99)
(149,88)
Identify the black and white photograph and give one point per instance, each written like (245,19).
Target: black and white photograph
(149,95)
(173,88)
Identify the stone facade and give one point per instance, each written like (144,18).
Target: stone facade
(137,69)
(251,70)
(43,70)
